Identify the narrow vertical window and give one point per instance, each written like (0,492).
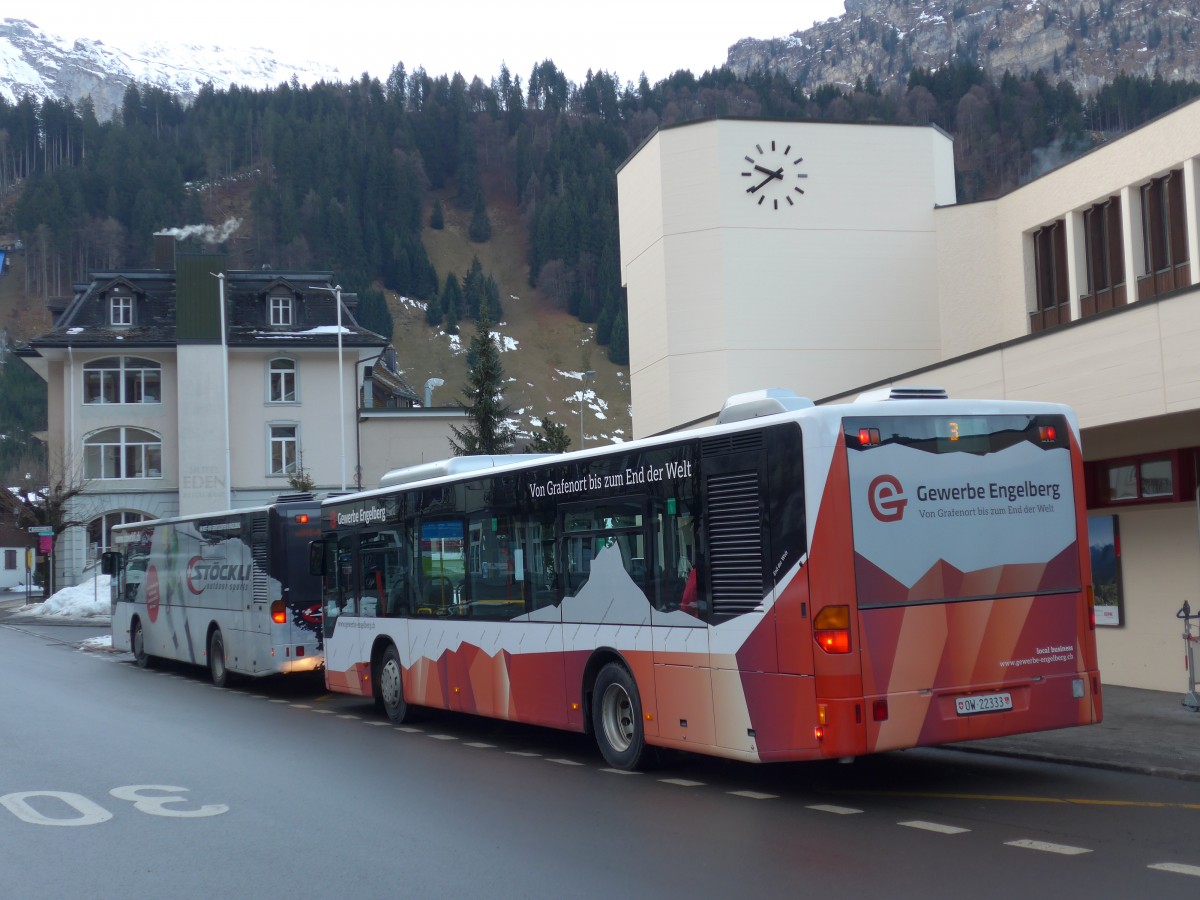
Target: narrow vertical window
(1164,236)
(282,381)
(1105,257)
(283,450)
(1050,270)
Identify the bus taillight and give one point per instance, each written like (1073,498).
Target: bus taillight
(1047,434)
(831,628)
(278,612)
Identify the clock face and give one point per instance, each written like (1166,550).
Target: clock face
(772,175)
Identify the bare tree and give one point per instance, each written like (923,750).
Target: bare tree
(48,507)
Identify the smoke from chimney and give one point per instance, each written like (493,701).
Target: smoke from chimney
(210,234)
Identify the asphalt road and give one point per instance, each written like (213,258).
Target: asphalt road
(119,782)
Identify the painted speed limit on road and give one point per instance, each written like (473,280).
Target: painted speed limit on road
(66,808)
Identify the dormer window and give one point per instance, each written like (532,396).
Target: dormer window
(281,310)
(120,309)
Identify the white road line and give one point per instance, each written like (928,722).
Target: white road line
(620,772)
(301,706)
(564,762)
(443,737)
(348,716)
(408,729)
(278,701)
(522,753)
(479,745)
(1046,847)
(1177,868)
(934,826)
(681,782)
(754,795)
(377,724)
(836,810)
(323,712)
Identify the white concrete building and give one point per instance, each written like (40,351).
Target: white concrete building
(1080,287)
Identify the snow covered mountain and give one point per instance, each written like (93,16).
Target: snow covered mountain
(33,61)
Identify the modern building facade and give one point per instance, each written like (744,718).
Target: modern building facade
(1079,287)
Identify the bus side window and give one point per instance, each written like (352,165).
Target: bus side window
(384,563)
(442,568)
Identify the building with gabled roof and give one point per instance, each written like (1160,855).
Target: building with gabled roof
(164,400)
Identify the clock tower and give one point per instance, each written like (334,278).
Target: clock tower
(769,253)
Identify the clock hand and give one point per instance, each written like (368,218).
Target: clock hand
(777,173)
(770,177)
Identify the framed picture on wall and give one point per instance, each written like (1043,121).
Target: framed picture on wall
(1104,536)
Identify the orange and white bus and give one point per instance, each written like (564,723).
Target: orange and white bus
(794,582)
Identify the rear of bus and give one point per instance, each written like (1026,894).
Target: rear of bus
(296,641)
(970,566)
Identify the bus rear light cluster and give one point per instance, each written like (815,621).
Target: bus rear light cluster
(879,710)
(831,628)
(868,437)
(1047,434)
(278,612)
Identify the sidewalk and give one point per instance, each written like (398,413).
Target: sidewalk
(1151,732)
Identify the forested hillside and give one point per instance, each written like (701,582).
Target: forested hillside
(352,177)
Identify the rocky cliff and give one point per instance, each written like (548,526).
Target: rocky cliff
(1083,42)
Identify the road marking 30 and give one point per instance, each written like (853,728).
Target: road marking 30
(92,813)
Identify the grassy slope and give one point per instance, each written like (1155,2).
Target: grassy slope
(549,341)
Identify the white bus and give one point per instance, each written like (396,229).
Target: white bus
(795,582)
(227,590)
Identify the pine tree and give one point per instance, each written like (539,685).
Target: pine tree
(452,302)
(437,219)
(488,430)
(553,438)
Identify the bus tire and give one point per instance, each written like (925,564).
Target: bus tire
(216,659)
(389,686)
(137,643)
(617,718)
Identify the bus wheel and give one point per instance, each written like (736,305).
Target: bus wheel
(390,686)
(617,717)
(137,643)
(216,659)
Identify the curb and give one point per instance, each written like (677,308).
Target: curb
(1062,759)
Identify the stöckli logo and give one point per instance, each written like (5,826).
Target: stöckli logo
(886,498)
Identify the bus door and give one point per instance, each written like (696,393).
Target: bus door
(682,674)
(339,598)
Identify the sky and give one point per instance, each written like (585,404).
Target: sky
(623,37)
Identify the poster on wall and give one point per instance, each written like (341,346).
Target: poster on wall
(1104,536)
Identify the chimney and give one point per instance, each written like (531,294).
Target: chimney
(164,252)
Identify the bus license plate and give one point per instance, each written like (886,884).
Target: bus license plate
(981,703)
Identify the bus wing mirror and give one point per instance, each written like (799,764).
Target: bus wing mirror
(316,558)
(111,563)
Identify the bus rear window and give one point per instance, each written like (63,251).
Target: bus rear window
(957,508)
